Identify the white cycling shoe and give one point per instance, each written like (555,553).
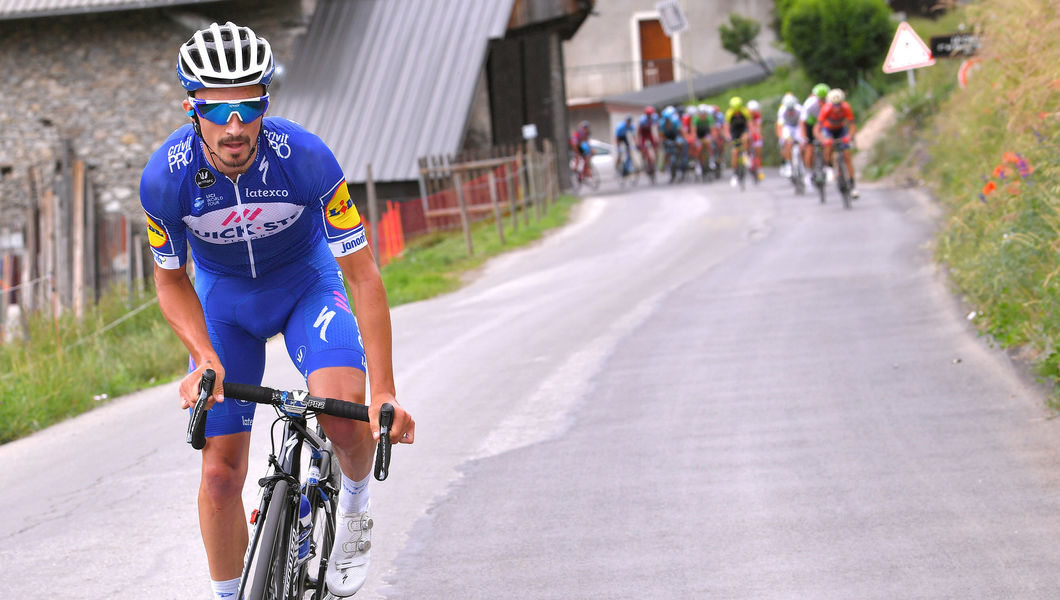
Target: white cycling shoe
(351,554)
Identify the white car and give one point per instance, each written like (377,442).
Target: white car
(603,158)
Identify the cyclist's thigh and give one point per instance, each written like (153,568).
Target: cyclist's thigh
(240,316)
(322,331)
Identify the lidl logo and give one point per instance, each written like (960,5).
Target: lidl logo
(340,212)
(156,236)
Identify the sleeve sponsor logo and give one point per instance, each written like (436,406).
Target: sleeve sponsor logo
(340,211)
(156,236)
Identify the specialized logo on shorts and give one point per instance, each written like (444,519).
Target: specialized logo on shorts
(204,178)
(249,221)
(156,236)
(323,320)
(340,212)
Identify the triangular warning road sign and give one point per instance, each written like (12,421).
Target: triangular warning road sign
(907,51)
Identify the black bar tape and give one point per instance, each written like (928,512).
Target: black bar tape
(249,393)
(346,410)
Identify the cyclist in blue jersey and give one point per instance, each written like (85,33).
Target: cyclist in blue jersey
(265,208)
(624,162)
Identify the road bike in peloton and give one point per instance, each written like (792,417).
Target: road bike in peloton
(839,152)
(818,175)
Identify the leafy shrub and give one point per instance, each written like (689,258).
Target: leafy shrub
(836,40)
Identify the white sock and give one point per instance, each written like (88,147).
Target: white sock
(353,498)
(225,590)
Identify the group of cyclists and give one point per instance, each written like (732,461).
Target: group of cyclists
(698,134)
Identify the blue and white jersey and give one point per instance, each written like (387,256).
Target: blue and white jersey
(289,201)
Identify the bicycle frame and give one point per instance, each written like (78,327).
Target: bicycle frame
(318,489)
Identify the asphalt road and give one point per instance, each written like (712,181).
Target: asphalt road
(690,392)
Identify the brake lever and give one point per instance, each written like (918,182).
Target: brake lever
(382,451)
(197,421)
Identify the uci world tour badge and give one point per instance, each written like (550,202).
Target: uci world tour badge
(204,178)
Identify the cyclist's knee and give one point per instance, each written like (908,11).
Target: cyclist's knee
(223,472)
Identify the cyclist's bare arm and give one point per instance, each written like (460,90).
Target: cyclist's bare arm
(368,297)
(182,310)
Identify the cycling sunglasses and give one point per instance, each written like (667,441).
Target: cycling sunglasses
(220,111)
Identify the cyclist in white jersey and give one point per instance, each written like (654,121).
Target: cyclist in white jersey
(788,116)
(273,230)
(811,109)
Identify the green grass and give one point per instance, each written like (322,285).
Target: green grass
(988,153)
(65,367)
(437,263)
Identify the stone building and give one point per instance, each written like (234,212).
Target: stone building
(97,80)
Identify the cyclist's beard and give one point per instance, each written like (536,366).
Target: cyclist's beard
(235,165)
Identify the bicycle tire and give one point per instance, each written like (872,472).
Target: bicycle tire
(841,179)
(594,178)
(819,173)
(267,583)
(324,540)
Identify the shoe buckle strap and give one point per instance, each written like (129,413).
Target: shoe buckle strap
(357,546)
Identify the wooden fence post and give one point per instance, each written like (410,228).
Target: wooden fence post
(77,213)
(531,176)
(511,171)
(492,177)
(29,262)
(91,244)
(373,211)
(463,212)
(6,268)
(550,169)
(47,255)
(130,259)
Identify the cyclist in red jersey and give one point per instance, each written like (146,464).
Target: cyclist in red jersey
(756,138)
(579,143)
(647,141)
(836,122)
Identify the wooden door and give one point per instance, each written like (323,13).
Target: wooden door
(656,53)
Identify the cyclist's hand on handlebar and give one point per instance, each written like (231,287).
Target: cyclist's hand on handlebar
(403,431)
(189,386)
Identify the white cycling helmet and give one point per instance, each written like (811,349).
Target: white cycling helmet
(789,100)
(703,110)
(836,96)
(753,106)
(223,56)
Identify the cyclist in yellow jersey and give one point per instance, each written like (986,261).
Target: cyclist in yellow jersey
(737,129)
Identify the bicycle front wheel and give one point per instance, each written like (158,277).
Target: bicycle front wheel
(270,560)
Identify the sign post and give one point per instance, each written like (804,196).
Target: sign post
(907,52)
(671,17)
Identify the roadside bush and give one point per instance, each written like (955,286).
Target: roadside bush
(837,40)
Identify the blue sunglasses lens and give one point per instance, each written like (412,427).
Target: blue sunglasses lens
(220,112)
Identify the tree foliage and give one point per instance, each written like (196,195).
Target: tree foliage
(835,40)
(740,37)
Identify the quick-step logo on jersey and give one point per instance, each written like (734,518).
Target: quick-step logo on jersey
(244,222)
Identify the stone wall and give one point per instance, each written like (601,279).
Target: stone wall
(106,84)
